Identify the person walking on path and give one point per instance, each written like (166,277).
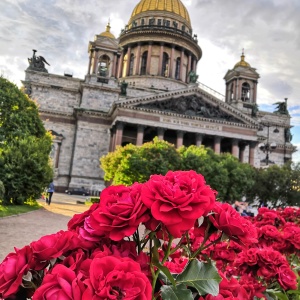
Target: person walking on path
(50,192)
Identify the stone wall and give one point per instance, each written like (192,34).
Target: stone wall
(98,99)
(92,142)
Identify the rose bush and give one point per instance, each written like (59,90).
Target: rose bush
(166,239)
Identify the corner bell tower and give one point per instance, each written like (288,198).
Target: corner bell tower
(241,86)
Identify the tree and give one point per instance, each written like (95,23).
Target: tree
(24,146)
(241,178)
(204,161)
(224,173)
(2,190)
(131,163)
(278,185)
(19,115)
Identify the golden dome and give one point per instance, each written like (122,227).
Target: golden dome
(107,32)
(173,6)
(242,63)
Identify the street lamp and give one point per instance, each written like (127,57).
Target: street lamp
(268,147)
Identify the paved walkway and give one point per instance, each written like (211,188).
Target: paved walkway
(18,231)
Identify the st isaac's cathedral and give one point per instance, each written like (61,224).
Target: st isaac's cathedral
(144,84)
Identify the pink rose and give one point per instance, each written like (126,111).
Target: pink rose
(178,199)
(117,278)
(12,269)
(228,220)
(120,212)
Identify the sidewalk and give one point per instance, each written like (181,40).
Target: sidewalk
(19,231)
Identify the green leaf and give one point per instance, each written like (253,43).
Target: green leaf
(204,277)
(178,293)
(278,294)
(166,272)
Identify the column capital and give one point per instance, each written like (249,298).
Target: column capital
(120,125)
(180,133)
(217,138)
(161,129)
(200,135)
(140,127)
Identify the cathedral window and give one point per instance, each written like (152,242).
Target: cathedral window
(245,92)
(164,71)
(131,64)
(177,70)
(152,21)
(143,22)
(103,66)
(231,92)
(144,63)
(159,22)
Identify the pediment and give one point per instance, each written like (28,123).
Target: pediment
(107,42)
(191,106)
(239,71)
(191,103)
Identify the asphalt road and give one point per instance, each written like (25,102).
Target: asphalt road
(19,231)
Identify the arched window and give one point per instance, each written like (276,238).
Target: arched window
(177,70)
(103,66)
(165,66)
(144,63)
(131,65)
(245,92)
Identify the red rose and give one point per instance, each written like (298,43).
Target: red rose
(287,278)
(59,284)
(120,212)
(53,245)
(74,260)
(78,219)
(292,234)
(12,269)
(176,265)
(178,199)
(117,278)
(228,220)
(223,252)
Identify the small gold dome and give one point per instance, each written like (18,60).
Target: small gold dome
(242,63)
(107,32)
(173,6)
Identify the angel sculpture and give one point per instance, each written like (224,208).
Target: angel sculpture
(281,107)
(37,63)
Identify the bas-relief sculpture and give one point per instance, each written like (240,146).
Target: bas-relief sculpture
(191,106)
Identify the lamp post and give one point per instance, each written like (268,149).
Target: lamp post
(268,147)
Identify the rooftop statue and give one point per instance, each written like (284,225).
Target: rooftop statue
(124,85)
(281,107)
(193,76)
(37,63)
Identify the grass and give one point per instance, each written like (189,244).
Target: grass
(10,210)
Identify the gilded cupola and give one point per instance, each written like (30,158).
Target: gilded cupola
(107,32)
(155,8)
(242,62)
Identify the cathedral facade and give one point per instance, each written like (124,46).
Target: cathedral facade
(144,84)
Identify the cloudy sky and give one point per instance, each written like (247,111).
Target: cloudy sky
(268,30)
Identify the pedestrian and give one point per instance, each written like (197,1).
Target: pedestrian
(50,192)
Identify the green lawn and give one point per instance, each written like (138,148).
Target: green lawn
(9,210)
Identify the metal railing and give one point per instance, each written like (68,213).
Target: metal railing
(211,91)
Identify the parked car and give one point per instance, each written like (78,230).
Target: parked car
(78,191)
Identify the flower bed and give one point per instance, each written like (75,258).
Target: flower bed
(165,239)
